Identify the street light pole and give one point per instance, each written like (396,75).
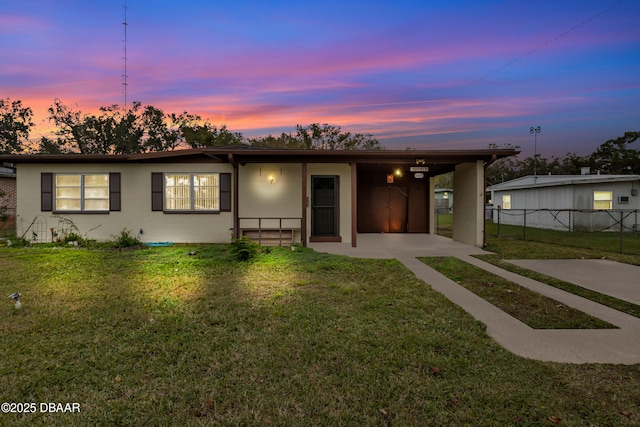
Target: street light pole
(535,131)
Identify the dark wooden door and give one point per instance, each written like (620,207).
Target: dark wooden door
(383,210)
(324,206)
(398,207)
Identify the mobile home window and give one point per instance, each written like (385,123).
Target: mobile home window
(82,192)
(506,201)
(602,199)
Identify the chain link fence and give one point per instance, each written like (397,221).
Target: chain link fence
(616,230)
(444,221)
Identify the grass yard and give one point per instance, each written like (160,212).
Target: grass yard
(444,224)
(159,337)
(609,241)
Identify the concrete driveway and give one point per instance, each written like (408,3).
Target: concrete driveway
(571,346)
(606,277)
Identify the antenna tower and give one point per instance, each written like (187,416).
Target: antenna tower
(124,46)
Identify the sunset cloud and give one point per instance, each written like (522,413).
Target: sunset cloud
(421,74)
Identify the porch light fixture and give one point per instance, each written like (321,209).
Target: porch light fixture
(271,178)
(16,299)
(398,172)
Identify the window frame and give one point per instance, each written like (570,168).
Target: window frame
(609,199)
(48,193)
(217,189)
(506,199)
(82,187)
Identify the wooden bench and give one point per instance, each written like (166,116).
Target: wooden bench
(270,236)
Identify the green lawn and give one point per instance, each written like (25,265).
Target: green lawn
(159,337)
(602,241)
(444,224)
(610,241)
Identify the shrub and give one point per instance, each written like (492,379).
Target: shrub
(72,237)
(126,240)
(17,242)
(243,249)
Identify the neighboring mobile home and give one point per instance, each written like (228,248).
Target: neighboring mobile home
(444,198)
(215,194)
(593,199)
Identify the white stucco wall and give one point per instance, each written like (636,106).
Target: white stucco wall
(344,172)
(270,191)
(135,211)
(468,212)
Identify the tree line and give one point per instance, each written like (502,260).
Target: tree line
(613,157)
(141,129)
(145,128)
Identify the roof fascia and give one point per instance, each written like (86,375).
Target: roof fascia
(273,155)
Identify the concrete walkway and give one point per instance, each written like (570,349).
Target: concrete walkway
(570,346)
(612,278)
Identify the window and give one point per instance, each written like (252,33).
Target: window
(82,192)
(79,192)
(506,201)
(602,199)
(192,192)
(185,192)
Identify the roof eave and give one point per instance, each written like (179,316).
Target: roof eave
(265,155)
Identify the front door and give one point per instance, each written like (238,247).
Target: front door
(398,207)
(383,210)
(324,206)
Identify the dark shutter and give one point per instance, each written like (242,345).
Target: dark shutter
(114,191)
(46,192)
(225,192)
(157,185)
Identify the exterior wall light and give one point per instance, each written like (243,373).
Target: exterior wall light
(271,178)
(398,172)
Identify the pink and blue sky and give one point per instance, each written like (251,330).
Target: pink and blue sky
(421,74)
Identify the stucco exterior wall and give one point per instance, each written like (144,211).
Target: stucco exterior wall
(135,212)
(468,213)
(270,191)
(344,172)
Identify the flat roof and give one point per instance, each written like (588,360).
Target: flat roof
(437,160)
(537,181)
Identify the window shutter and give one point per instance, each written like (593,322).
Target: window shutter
(156,191)
(114,191)
(46,192)
(225,192)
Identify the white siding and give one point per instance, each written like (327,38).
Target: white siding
(563,197)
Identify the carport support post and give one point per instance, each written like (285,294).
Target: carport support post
(354,204)
(468,213)
(305,204)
